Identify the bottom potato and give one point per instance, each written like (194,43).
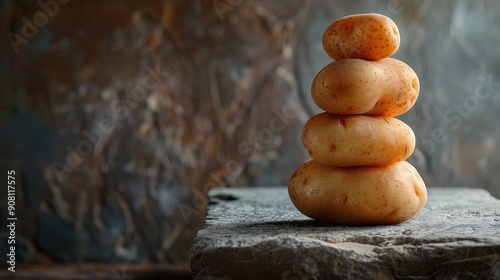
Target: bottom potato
(361,195)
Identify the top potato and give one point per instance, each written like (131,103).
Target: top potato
(363,36)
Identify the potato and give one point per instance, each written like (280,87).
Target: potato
(364,36)
(357,140)
(387,87)
(383,194)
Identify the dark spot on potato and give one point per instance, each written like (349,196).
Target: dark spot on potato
(395,212)
(342,122)
(333,148)
(417,191)
(414,84)
(344,200)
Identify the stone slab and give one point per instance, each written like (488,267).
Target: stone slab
(257,233)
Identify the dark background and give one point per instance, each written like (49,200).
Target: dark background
(117,116)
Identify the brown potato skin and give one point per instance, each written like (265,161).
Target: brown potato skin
(369,195)
(387,87)
(365,36)
(338,140)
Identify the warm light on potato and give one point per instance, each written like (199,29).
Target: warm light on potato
(357,140)
(362,195)
(387,87)
(357,174)
(364,36)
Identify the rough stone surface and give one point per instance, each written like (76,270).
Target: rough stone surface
(258,234)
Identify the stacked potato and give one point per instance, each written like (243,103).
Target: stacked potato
(357,174)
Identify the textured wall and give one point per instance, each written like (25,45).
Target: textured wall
(119,115)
